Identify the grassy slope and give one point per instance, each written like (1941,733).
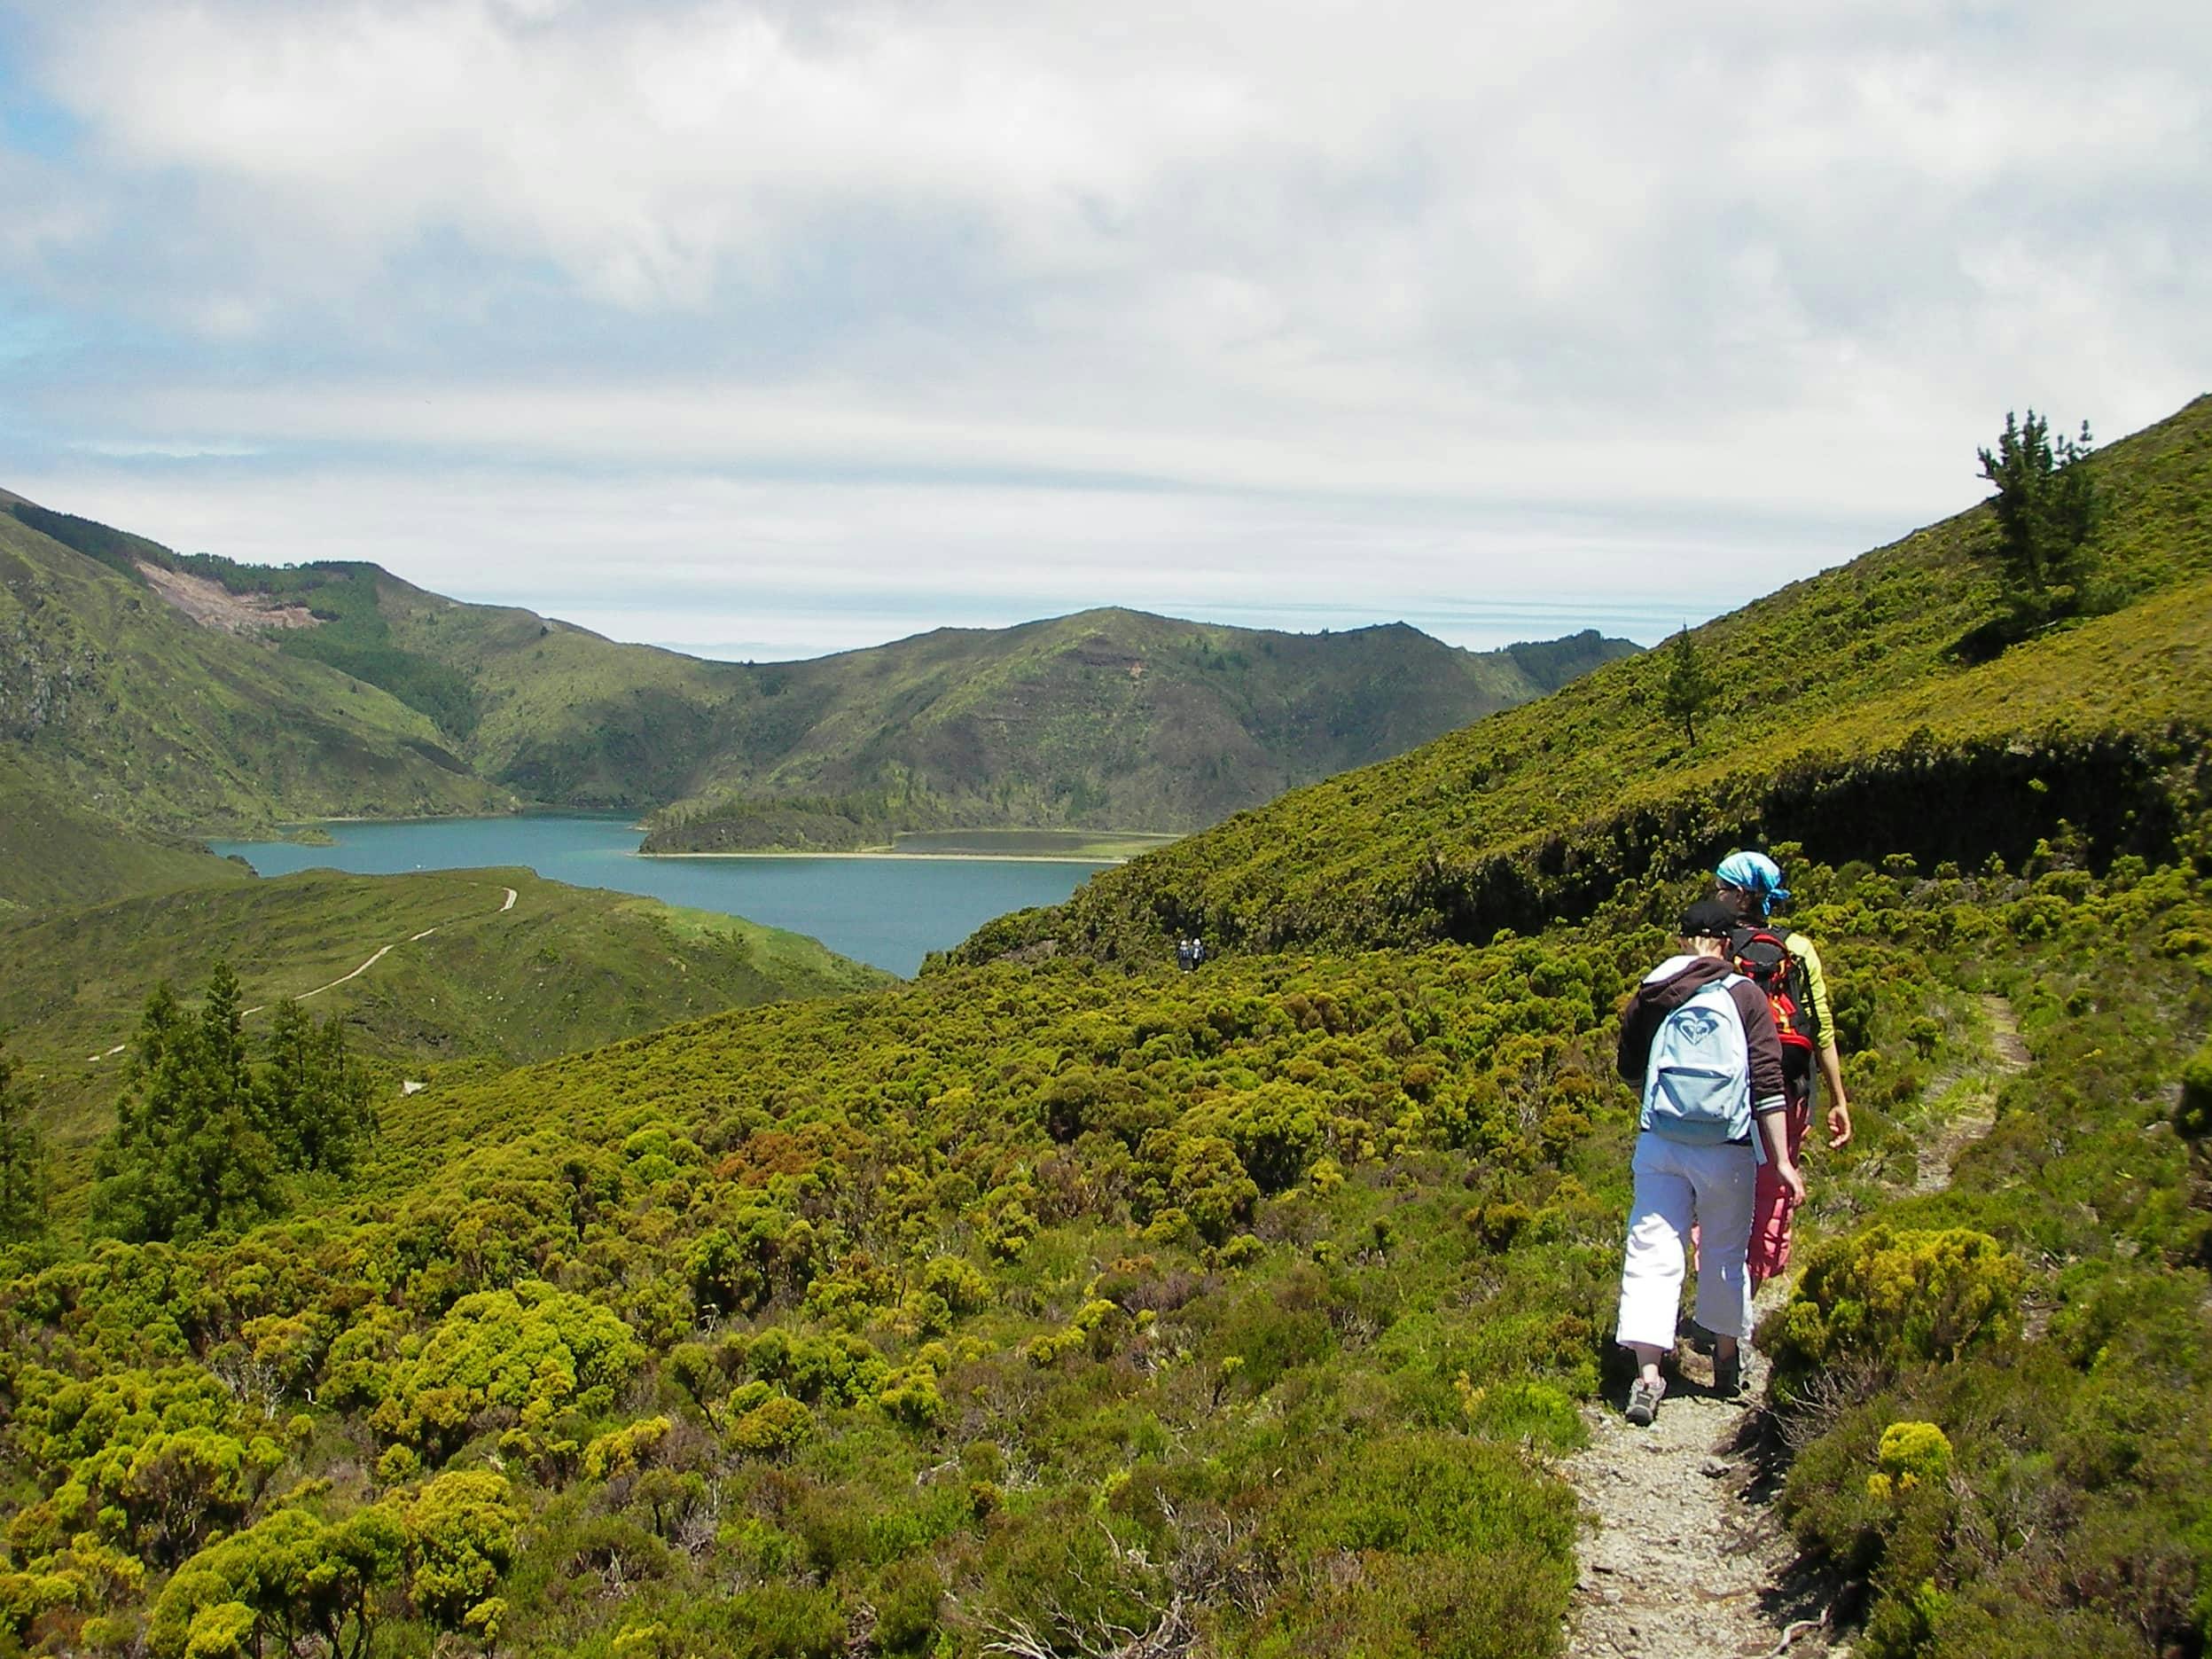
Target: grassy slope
(567,969)
(117,702)
(54,852)
(1829,683)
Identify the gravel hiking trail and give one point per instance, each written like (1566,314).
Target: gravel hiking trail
(382,952)
(1684,1557)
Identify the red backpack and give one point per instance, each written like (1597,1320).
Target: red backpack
(1763,958)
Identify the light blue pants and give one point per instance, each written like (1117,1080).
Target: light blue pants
(1678,1185)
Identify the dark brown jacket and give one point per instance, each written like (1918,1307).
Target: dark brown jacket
(1674,983)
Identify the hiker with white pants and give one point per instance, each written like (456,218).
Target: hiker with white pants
(1699,1041)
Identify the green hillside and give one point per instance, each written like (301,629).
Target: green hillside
(1848,714)
(114,701)
(1056,1306)
(54,852)
(1107,718)
(331,689)
(564,968)
(1112,719)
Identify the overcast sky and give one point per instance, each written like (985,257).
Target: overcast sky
(764,329)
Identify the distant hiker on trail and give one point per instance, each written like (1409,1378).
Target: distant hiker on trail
(1786,966)
(1699,1039)
(1189,952)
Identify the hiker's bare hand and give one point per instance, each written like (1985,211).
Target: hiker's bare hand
(1839,1125)
(1793,1182)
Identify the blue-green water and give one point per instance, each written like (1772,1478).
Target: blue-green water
(888,910)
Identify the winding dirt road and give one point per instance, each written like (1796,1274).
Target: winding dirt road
(260,1007)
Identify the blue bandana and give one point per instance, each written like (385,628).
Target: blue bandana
(1755,874)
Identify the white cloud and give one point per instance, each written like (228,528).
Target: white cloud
(1430,266)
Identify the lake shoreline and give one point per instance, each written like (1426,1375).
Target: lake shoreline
(889,909)
(910,858)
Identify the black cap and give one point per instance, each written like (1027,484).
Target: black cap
(1709,919)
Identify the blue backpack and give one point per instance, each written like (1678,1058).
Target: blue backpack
(1698,1086)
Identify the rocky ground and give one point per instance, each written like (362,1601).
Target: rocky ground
(1685,1559)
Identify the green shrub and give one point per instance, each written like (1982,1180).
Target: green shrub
(1883,1300)
(772,1428)
(531,1350)
(2192,1115)
(1909,1454)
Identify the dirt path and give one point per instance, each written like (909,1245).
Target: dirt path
(1686,1559)
(262,1007)
(1974,1112)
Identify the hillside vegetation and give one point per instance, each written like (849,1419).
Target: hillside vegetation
(334,689)
(566,968)
(114,701)
(54,852)
(1849,716)
(1242,1311)
(1055,1306)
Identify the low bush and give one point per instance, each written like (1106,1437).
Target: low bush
(1883,1300)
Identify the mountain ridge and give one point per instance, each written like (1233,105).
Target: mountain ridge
(1107,718)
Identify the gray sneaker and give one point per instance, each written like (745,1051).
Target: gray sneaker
(1643,1402)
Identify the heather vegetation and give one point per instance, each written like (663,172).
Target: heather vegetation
(1044,1304)
(1060,1304)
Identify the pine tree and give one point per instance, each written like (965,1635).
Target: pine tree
(2045,509)
(1690,689)
(187,1155)
(313,1100)
(22,1159)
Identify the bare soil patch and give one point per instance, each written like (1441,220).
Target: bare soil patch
(212,605)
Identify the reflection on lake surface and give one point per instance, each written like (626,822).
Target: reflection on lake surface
(888,911)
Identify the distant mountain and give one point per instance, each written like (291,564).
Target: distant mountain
(189,692)
(1107,718)
(115,700)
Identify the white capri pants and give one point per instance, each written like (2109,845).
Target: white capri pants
(1677,1185)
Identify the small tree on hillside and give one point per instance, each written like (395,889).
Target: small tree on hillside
(313,1100)
(203,1137)
(1689,688)
(186,1157)
(2045,508)
(22,1162)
